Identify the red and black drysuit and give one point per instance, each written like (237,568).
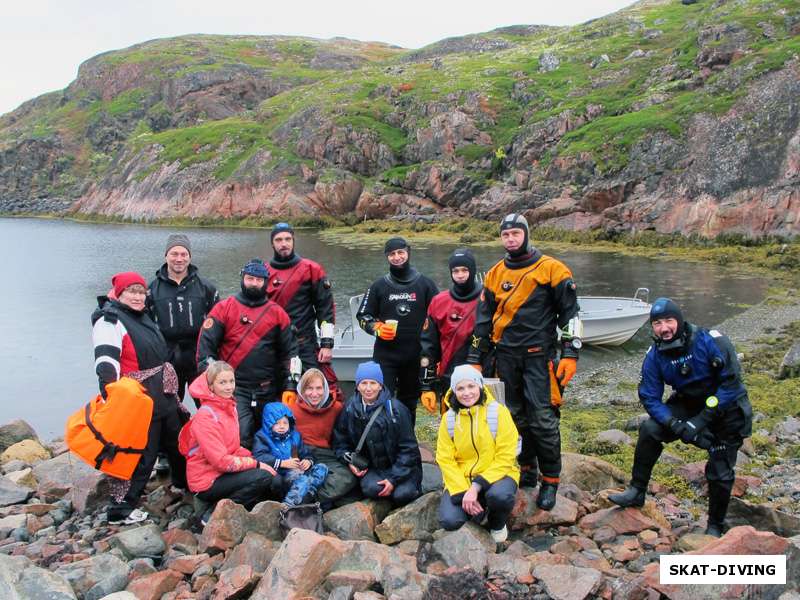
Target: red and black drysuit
(524,298)
(255,337)
(302,288)
(126,341)
(402,294)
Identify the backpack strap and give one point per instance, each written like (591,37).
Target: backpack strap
(450,418)
(492,418)
(209,409)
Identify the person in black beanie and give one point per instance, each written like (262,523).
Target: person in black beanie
(447,331)
(527,297)
(402,296)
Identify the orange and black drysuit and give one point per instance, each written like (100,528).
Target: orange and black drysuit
(523,301)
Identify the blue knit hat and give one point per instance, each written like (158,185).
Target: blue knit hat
(369,370)
(255,268)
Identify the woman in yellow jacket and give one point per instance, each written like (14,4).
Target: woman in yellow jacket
(477,453)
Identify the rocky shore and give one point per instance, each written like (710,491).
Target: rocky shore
(55,542)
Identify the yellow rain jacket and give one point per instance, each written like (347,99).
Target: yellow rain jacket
(473,453)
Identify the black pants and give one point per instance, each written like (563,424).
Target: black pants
(403,493)
(250,409)
(247,488)
(183,359)
(527,386)
(498,500)
(401,378)
(730,426)
(162,436)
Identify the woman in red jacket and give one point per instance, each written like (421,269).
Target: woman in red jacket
(217,466)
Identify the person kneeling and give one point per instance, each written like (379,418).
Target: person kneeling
(374,436)
(217,466)
(477,453)
(279,443)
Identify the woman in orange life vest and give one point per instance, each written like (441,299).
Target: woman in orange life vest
(127,343)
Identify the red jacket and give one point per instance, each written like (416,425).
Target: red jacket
(210,440)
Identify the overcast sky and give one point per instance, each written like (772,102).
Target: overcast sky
(42,42)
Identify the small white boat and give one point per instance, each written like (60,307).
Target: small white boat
(607,321)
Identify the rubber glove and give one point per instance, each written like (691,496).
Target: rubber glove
(478,368)
(566,370)
(428,400)
(289,397)
(384,331)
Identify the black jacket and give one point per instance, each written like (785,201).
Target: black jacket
(180,309)
(391,446)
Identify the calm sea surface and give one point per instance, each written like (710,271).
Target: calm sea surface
(52,271)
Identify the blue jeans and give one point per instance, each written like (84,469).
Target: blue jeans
(303,483)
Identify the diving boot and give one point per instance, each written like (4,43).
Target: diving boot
(716,529)
(719,495)
(547,496)
(632,496)
(529,478)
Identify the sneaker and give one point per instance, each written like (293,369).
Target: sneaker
(135,516)
(162,465)
(499,535)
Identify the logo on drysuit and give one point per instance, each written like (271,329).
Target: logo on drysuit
(507,285)
(403,309)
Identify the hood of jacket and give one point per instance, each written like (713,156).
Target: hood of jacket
(306,405)
(273,412)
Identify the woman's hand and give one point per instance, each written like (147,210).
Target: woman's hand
(290,463)
(388,488)
(356,472)
(268,469)
(470,502)
(305,464)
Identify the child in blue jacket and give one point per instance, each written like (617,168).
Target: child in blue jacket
(278,443)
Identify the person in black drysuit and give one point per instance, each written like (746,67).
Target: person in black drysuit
(709,407)
(179,301)
(402,295)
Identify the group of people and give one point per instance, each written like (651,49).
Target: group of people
(271,421)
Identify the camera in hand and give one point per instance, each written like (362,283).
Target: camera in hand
(358,461)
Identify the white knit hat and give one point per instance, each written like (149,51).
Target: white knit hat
(462,372)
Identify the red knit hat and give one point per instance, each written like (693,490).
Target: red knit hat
(121,281)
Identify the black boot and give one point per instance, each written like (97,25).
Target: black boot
(719,495)
(529,478)
(632,496)
(547,496)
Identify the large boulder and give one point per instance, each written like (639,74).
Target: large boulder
(565,582)
(415,521)
(590,473)
(302,562)
(255,550)
(28,451)
(20,579)
(97,576)
(231,521)
(67,476)
(763,517)
(14,432)
(12,493)
(621,520)
(237,582)
(357,520)
(468,546)
(140,541)
(155,585)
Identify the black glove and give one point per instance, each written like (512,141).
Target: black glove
(705,439)
(681,429)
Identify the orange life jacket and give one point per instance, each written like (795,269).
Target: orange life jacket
(111,434)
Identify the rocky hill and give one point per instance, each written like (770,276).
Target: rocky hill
(661,116)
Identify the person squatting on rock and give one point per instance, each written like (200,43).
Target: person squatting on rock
(477,453)
(253,335)
(179,301)
(302,288)
(127,343)
(315,411)
(402,296)
(708,408)
(386,460)
(217,466)
(280,444)
(525,297)
(447,330)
